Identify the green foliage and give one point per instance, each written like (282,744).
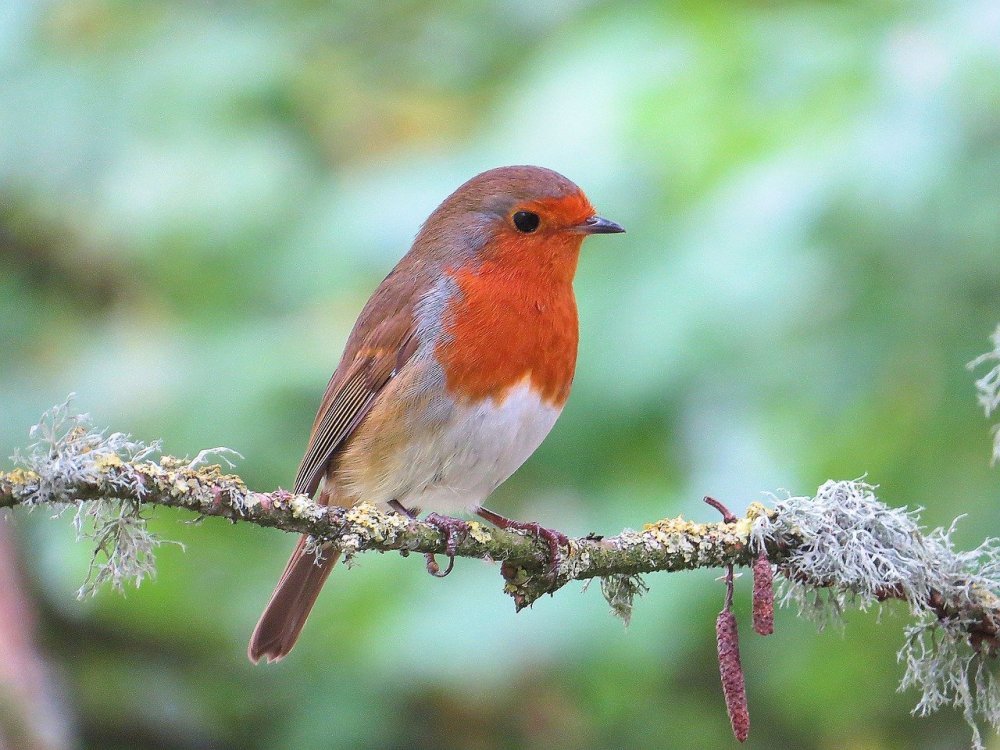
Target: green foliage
(196,200)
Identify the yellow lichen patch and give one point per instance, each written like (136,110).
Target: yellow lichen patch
(690,540)
(303,508)
(479,532)
(364,515)
(742,527)
(186,479)
(234,481)
(19,476)
(380,526)
(211,472)
(171,463)
(668,531)
(756,510)
(107,460)
(152,472)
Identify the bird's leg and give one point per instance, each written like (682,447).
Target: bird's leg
(432,567)
(553,538)
(452,528)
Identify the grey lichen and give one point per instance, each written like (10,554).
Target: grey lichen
(988,386)
(857,550)
(948,672)
(66,449)
(620,592)
(949,658)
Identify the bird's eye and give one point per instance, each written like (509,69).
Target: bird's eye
(526,221)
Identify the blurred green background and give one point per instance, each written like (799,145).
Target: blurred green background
(196,199)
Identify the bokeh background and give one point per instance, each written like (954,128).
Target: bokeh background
(196,199)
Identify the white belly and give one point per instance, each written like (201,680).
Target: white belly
(457,465)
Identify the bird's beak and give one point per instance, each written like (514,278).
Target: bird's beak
(599,225)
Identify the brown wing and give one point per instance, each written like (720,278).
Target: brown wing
(382,342)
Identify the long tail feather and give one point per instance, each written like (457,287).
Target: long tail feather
(292,600)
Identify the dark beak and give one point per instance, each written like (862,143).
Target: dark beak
(600,225)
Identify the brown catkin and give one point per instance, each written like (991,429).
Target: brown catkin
(763,595)
(728,641)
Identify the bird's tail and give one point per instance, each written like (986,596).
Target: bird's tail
(293,598)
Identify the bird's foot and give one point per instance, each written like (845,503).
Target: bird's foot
(554,539)
(432,566)
(454,529)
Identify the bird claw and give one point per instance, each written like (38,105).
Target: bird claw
(454,530)
(434,569)
(553,538)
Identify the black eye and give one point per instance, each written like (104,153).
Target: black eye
(525,221)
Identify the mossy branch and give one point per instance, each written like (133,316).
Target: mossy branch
(102,474)
(842,546)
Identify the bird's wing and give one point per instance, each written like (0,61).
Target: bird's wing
(381,344)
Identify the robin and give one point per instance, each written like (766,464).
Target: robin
(455,372)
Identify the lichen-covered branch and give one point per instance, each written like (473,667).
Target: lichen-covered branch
(81,468)
(842,546)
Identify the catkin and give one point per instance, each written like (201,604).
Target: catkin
(728,641)
(763,595)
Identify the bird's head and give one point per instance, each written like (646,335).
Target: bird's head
(515,217)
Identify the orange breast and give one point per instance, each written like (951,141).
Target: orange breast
(506,326)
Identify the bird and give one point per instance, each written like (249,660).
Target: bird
(454,373)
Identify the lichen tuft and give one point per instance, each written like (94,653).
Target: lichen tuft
(988,387)
(860,551)
(620,592)
(67,450)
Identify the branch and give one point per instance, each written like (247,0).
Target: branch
(841,547)
(100,474)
